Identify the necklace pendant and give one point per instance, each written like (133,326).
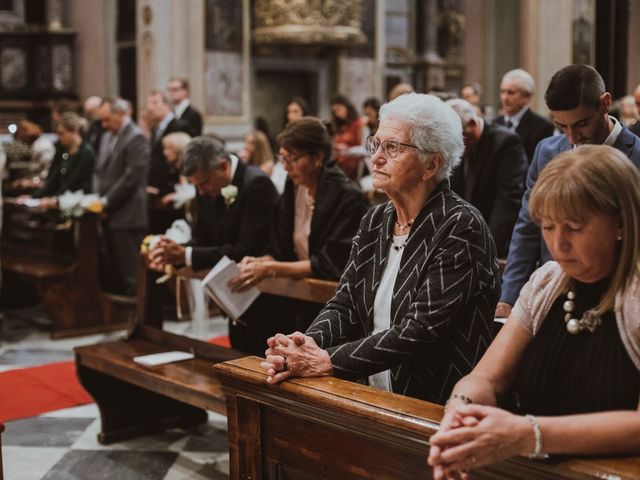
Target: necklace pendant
(573,326)
(590,321)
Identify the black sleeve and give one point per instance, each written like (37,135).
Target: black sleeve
(331,258)
(511,167)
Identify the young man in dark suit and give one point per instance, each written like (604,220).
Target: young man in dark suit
(579,105)
(178,89)
(516,92)
(491,174)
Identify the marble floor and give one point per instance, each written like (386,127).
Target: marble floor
(63,445)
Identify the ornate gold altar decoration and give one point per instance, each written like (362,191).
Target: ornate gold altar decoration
(308,22)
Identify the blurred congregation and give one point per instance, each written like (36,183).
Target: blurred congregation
(464,172)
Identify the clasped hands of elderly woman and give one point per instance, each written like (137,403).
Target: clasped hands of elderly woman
(295,355)
(474,435)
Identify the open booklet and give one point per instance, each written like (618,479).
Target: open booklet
(215,283)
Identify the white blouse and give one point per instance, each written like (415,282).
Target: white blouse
(382,303)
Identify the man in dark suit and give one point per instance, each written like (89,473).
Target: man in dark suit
(235,204)
(120,177)
(178,89)
(516,92)
(163,176)
(491,174)
(579,107)
(235,224)
(635,128)
(94,133)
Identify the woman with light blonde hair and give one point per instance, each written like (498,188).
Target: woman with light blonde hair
(257,151)
(565,368)
(172,146)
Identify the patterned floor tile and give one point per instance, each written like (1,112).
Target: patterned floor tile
(108,465)
(82,411)
(44,431)
(33,356)
(63,444)
(187,467)
(29,463)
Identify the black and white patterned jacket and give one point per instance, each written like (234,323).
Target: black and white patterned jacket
(443,302)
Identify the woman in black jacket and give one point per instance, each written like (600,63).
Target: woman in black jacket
(316,219)
(72,166)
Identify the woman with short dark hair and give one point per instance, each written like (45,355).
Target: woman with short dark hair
(316,218)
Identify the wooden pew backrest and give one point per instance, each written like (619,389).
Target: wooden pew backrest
(326,428)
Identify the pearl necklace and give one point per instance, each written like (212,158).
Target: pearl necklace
(405,226)
(589,320)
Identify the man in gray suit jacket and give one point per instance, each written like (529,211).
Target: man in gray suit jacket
(579,105)
(120,179)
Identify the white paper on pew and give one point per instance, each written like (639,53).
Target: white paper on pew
(31,202)
(215,283)
(162,358)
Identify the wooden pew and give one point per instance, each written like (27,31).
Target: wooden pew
(62,260)
(309,289)
(326,428)
(134,399)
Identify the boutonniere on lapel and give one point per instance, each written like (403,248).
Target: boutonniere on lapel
(229,193)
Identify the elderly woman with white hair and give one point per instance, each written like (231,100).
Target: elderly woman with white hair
(413,310)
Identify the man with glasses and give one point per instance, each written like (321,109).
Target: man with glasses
(579,106)
(178,90)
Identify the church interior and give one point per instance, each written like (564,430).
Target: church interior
(313,239)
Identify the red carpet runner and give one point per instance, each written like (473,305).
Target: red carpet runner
(26,392)
(222,341)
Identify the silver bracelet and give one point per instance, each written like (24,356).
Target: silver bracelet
(537,435)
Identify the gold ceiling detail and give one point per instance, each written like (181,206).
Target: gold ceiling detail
(308,22)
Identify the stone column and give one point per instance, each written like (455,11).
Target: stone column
(546,42)
(96,64)
(633,72)
(429,65)
(55,14)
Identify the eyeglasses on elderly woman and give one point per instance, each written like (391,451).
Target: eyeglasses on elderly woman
(390,148)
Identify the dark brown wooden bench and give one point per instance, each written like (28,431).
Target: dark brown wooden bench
(62,261)
(134,399)
(326,428)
